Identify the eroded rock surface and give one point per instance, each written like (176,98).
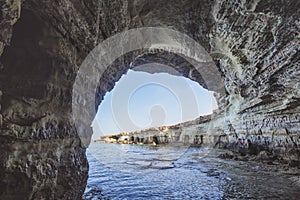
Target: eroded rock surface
(255,45)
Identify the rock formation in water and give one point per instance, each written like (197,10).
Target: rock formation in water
(255,45)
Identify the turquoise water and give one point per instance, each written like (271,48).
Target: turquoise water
(179,172)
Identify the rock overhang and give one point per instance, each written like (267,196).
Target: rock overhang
(254,45)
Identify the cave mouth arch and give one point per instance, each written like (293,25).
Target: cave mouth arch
(141,100)
(140,41)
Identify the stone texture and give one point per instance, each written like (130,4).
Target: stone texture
(10,12)
(254,43)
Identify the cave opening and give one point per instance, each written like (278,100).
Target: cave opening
(141,100)
(156,67)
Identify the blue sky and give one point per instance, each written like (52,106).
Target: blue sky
(141,100)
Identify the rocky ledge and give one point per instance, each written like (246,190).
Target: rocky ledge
(197,133)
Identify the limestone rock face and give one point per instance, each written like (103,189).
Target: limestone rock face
(255,45)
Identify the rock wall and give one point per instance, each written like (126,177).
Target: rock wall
(259,55)
(41,155)
(255,45)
